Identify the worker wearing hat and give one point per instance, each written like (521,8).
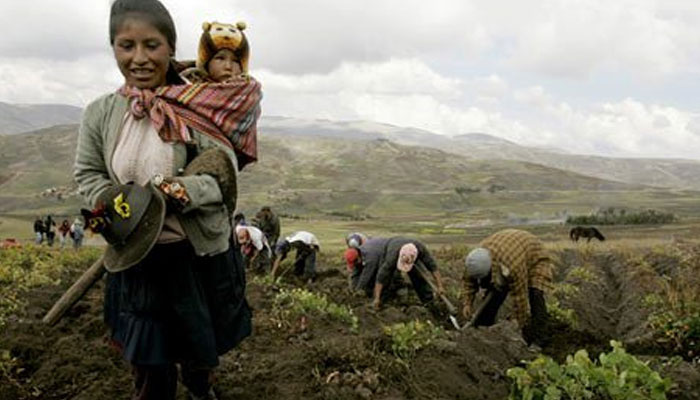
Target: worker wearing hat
(380,266)
(512,262)
(357,257)
(254,248)
(355,239)
(306,245)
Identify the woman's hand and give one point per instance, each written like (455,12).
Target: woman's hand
(175,192)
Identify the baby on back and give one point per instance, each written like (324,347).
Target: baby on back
(223,54)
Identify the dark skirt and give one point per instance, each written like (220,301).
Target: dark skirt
(175,306)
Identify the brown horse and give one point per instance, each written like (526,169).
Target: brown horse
(586,232)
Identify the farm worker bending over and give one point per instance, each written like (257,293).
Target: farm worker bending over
(306,246)
(510,261)
(397,254)
(254,247)
(269,224)
(358,257)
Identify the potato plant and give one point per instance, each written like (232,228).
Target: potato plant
(616,375)
(295,303)
(408,338)
(675,306)
(22,269)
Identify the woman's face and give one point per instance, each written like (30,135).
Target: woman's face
(223,66)
(142,53)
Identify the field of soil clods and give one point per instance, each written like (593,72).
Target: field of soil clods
(321,341)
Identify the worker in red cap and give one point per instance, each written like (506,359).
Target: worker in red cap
(373,265)
(354,263)
(357,257)
(352,256)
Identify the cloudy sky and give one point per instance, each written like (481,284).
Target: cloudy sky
(611,77)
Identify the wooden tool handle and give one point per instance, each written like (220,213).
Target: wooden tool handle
(481,308)
(75,292)
(450,307)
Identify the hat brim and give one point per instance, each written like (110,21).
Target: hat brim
(137,245)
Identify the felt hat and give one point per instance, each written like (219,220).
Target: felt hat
(407,256)
(217,163)
(478,263)
(130,218)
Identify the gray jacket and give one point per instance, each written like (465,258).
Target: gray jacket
(371,251)
(205,220)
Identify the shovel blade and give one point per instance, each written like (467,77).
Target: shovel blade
(455,323)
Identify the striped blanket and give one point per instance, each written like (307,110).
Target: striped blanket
(227,112)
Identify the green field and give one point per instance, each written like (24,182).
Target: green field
(332,186)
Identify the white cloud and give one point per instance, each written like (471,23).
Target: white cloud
(534,96)
(576,39)
(74,82)
(661,121)
(693,126)
(53,29)
(451,66)
(552,37)
(489,90)
(397,77)
(318,36)
(624,128)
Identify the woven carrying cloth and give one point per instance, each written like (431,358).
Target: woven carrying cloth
(226,112)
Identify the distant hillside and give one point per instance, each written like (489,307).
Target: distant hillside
(382,165)
(306,173)
(33,163)
(17,118)
(667,173)
(670,173)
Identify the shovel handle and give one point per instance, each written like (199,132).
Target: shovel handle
(479,310)
(421,270)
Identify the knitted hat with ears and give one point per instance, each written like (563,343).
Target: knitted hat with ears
(217,36)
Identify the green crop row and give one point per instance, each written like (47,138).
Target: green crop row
(616,375)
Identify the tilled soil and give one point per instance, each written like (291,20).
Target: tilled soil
(323,359)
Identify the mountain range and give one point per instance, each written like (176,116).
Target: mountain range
(33,162)
(669,173)
(18,118)
(318,164)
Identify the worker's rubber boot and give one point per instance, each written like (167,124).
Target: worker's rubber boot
(539,326)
